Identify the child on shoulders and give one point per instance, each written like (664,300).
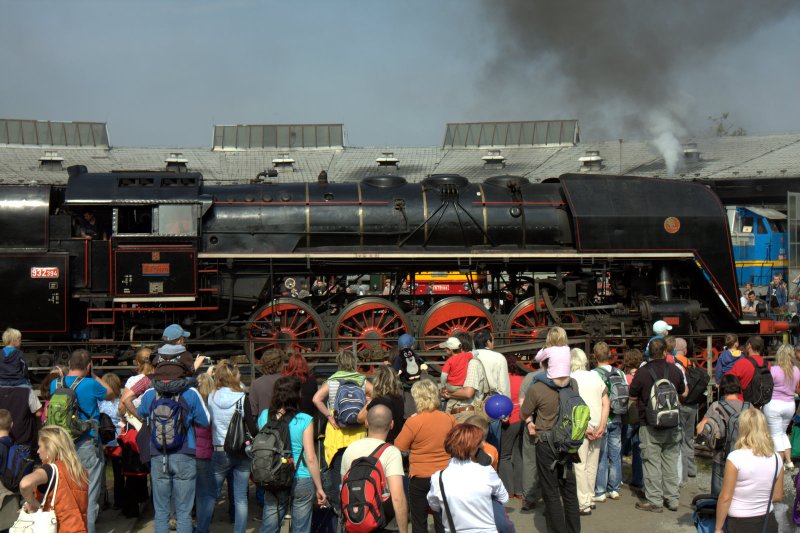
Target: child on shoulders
(13,370)
(556,352)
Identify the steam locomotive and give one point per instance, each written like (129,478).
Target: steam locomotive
(600,255)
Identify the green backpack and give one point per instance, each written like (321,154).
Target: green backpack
(64,410)
(570,429)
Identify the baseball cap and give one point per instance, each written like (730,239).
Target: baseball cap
(406,340)
(661,327)
(452,343)
(173,332)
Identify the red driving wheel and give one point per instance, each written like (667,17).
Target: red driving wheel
(286,324)
(450,316)
(525,323)
(372,323)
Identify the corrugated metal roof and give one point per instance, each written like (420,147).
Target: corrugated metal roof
(727,157)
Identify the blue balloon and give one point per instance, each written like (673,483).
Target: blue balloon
(498,406)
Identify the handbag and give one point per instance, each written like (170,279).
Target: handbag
(237,437)
(40,521)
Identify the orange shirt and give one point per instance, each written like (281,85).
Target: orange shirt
(423,435)
(492,452)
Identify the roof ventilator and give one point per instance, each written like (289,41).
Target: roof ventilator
(176,162)
(388,161)
(494,160)
(690,153)
(51,160)
(591,161)
(283,163)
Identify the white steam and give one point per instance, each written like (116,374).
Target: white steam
(665,131)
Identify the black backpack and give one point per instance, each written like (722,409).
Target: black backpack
(661,409)
(759,391)
(16,463)
(272,463)
(697,383)
(732,425)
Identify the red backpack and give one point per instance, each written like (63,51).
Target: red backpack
(363,501)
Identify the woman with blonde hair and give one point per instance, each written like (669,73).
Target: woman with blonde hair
(753,479)
(423,436)
(780,409)
(387,390)
(68,496)
(227,398)
(337,439)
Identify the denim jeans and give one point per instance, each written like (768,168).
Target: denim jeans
(559,491)
(632,442)
(609,467)
(94,463)
(717,473)
(221,464)
(176,483)
(302,497)
(495,432)
(332,481)
(205,493)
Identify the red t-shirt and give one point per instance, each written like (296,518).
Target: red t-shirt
(456,368)
(744,370)
(516,383)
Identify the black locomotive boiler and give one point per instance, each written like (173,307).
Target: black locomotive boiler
(601,255)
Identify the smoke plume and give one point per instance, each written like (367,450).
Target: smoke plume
(619,59)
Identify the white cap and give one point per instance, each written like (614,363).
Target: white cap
(452,343)
(660,327)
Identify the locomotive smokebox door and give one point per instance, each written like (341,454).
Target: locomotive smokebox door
(150,273)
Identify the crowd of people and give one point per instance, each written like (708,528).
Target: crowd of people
(393,450)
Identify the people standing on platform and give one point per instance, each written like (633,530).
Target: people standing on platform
(387,390)
(297,366)
(228,398)
(753,480)
(379,422)
(660,330)
(659,439)
(261,388)
(714,426)
(471,490)
(609,465)
(173,472)
(423,436)
(688,411)
(496,368)
(631,361)
(531,491)
(89,390)
(511,465)
(556,481)
(592,389)
(306,489)
(466,401)
(728,357)
(69,492)
(745,368)
(781,408)
(338,437)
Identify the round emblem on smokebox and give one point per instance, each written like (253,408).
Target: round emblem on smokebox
(672,225)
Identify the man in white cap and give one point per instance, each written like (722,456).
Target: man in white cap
(660,330)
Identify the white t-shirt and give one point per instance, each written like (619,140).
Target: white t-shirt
(591,389)
(133,380)
(496,370)
(753,483)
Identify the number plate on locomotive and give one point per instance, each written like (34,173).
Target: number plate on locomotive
(44,272)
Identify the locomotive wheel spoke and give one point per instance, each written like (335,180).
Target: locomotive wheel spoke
(451,315)
(374,321)
(298,327)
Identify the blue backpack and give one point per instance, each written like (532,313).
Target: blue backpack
(16,463)
(350,400)
(167,424)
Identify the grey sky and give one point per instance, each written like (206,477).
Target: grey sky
(162,73)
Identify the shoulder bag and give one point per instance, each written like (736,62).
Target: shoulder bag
(40,521)
(237,438)
(447,512)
